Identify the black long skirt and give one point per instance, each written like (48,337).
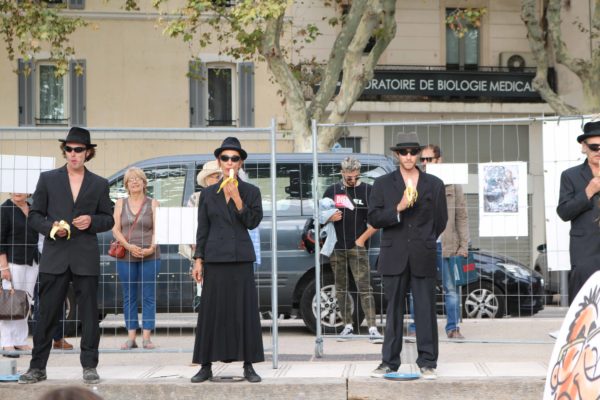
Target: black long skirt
(228,321)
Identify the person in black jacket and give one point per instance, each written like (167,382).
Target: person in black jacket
(578,203)
(18,264)
(228,319)
(408,253)
(74,195)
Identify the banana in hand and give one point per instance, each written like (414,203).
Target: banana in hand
(411,193)
(62,224)
(227,180)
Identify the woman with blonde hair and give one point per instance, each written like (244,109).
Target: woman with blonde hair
(134,229)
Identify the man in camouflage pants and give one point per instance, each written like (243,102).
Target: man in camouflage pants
(350,221)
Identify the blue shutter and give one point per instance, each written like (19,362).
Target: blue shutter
(246,94)
(197,78)
(77,96)
(26,93)
(77,4)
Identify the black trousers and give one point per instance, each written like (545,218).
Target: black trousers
(53,291)
(395,288)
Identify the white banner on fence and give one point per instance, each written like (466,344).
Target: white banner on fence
(450,174)
(503,199)
(176,225)
(20,174)
(561,151)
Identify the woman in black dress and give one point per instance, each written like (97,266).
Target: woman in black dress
(228,319)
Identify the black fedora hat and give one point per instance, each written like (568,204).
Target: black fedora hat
(590,129)
(78,135)
(231,143)
(406,140)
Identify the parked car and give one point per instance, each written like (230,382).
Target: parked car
(502,285)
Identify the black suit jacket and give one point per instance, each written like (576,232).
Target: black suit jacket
(574,206)
(53,201)
(222,234)
(411,240)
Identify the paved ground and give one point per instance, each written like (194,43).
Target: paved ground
(508,351)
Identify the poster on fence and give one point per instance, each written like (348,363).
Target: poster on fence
(503,199)
(176,225)
(20,174)
(560,151)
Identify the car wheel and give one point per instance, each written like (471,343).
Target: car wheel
(331,317)
(483,300)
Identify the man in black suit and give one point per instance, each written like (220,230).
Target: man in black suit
(74,195)
(578,203)
(408,253)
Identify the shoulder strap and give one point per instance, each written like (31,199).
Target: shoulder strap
(136,218)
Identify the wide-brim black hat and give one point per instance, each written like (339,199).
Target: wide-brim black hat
(406,140)
(590,129)
(231,143)
(78,135)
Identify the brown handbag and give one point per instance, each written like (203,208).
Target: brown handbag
(14,304)
(116,249)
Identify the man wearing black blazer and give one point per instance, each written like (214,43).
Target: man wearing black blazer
(74,195)
(578,203)
(408,253)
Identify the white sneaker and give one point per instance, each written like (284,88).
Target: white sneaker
(346,334)
(428,373)
(374,336)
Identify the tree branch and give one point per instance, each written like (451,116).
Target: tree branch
(331,72)
(537,45)
(379,21)
(578,66)
(294,99)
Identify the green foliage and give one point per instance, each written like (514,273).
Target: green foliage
(30,26)
(463,19)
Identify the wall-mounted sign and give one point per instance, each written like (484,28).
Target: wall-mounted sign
(486,84)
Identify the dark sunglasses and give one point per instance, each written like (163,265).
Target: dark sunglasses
(428,159)
(413,152)
(225,158)
(69,149)
(593,146)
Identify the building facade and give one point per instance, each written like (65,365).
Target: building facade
(139,96)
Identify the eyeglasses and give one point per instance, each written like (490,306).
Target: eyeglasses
(428,159)
(351,178)
(135,179)
(69,149)
(413,152)
(593,146)
(225,158)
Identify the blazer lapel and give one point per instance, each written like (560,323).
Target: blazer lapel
(64,180)
(87,181)
(399,183)
(586,171)
(221,201)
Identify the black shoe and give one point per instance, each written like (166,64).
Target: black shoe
(204,374)
(90,376)
(33,375)
(250,374)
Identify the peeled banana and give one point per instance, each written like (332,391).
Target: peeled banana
(227,180)
(411,193)
(62,224)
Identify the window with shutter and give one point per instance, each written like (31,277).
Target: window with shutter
(26,73)
(52,95)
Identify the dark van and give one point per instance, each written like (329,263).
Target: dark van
(172,179)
